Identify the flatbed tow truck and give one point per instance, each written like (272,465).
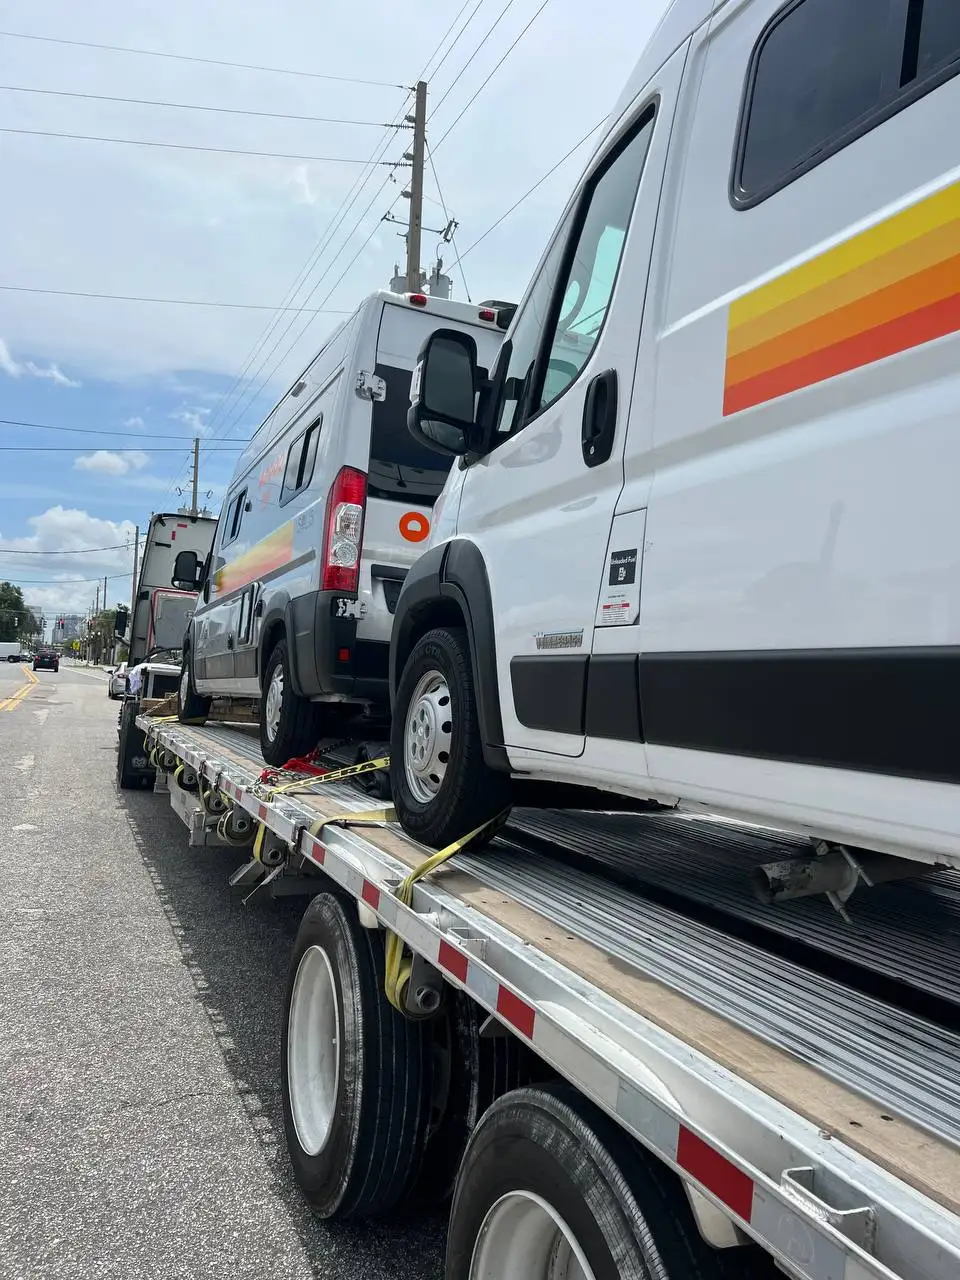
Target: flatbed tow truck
(555,1021)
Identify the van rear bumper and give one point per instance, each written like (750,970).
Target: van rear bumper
(327,656)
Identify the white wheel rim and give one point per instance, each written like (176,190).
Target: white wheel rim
(524,1238)
(313,1050)
(184,687)
(427,735)
(274,703)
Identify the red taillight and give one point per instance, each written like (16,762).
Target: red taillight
(418,299)
(487,314)
(343,531)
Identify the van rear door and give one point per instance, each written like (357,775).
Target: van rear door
(404,478)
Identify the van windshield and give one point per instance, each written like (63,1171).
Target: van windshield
(401,469)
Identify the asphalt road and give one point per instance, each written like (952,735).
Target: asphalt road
(140,1128)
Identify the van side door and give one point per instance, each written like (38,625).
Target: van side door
(218,644)
(539,504)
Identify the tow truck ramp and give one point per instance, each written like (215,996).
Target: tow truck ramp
(800,1113)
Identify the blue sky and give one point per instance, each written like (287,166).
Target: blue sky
(97,217)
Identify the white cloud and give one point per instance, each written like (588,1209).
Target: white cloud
(112,463)
(69,531)
(135,423)
(192,418)
(14,369)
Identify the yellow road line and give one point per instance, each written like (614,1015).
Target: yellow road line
(15,699)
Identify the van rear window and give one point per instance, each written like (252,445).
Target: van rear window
(401,469)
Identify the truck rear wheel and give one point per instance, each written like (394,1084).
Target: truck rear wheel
(549,1186)
(289,726)
(191,708)
(442,786)
(470,1072)
(355,1073)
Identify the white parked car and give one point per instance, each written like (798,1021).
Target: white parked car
(117,681)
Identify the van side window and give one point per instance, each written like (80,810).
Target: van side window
(301,457)
(564,312)
(593,263)
(935,24)
(824,73)
(234,518)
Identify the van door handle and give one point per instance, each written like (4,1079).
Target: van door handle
(229,642)
(600,418)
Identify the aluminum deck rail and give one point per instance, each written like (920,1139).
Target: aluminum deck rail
(816,1202)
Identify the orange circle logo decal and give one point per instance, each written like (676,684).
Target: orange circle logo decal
(414,526)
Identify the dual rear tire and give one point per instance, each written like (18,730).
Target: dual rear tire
(545,1184)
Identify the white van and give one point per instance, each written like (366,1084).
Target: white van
(704,545)
(330,504)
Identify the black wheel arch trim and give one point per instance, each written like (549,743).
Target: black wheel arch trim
(451,577)
(280,613)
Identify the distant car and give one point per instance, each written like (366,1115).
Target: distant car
(117,681)
(46,661)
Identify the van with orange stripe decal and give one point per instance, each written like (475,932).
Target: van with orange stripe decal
(706,537)
(328,508)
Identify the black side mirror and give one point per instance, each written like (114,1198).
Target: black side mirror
(186,571)
(121,621)
(443,393)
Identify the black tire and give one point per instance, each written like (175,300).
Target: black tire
(372,1153)
(191,707)
(471,792)
(628,1213)
(131,748)
(299,728)
(471,1071)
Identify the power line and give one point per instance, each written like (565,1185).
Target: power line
(186,57)
(327,237)
(528,193)
(453,239)
(66,582)
(91,431)
(168,302)
(470,101)
(66,448)
(456,40)
(195,106)
(80,551)
(496,22)
(182,146)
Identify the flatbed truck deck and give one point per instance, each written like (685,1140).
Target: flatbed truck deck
(802,1113)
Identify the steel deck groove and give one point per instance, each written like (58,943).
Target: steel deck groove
(908,932)
(902,1062)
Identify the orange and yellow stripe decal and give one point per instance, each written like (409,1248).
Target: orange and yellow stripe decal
(892,287)
(270,553)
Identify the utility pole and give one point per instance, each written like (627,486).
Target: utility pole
(416,155)
(96,607)
(196,475)
(136,566)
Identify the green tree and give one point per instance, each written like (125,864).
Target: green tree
(16,620)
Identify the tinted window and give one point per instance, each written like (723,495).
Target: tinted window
(301,456)
(939,34)
(401,469)
(822,68)
(234,517)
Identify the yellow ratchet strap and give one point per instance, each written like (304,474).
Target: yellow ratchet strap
(305,786)
(398,963)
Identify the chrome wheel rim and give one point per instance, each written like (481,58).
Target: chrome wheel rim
(274,703)
(427,736)
(313,1050)
(524,1238)
(184,686)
